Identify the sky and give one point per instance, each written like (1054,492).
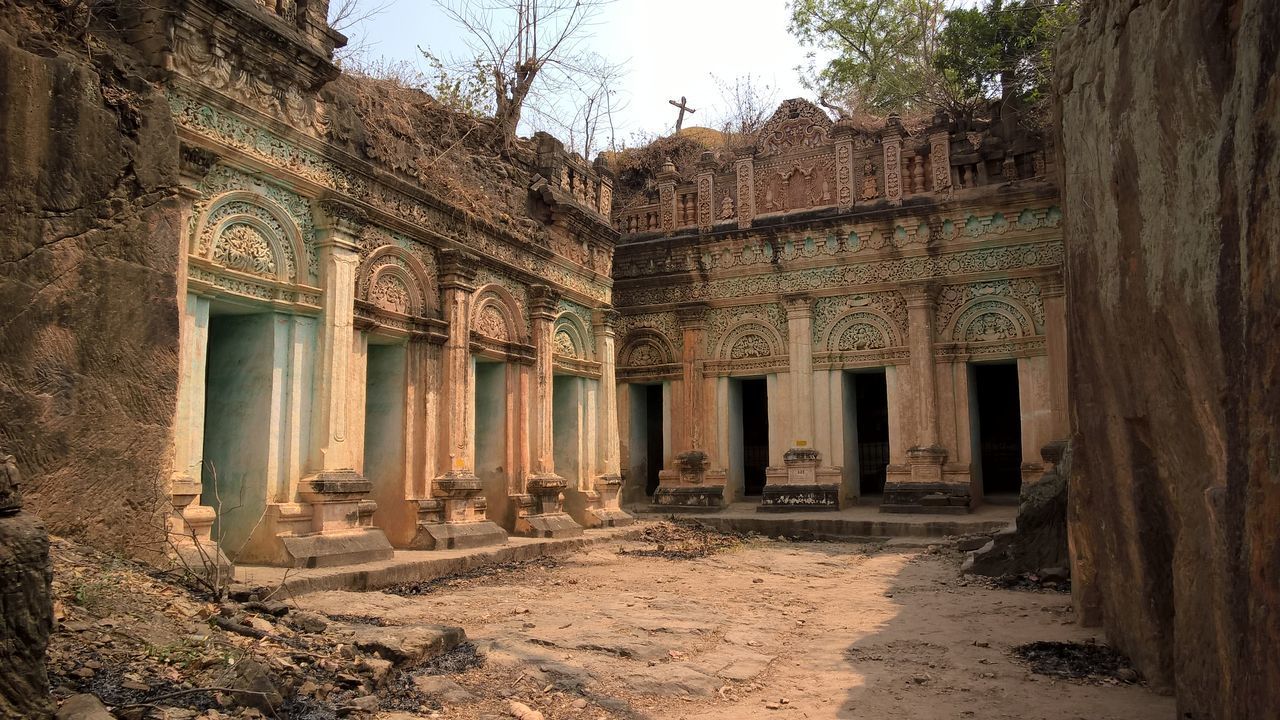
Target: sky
(669,48)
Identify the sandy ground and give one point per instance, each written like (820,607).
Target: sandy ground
(769,629)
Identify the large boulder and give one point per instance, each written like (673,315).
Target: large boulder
(1170,144)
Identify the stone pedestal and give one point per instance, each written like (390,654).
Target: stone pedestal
(689,487)
(341,523)
(607,510)
(190,528)
(455,517)
(545,517)
(922,486)
(802,484)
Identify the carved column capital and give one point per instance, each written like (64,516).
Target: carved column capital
(798,306)
(194,163)
(692,316)
(920,295)
(340,223)
(457,269)
(605,320)
(542,302)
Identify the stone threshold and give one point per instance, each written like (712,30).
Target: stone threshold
(418,565)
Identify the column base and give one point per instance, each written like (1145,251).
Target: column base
(688,498)
(922,487)
(458,535)
(190,536)
(803,483)
(336,548)
(797,498)
(548,525)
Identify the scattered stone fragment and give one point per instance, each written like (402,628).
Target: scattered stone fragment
(83,707)
(520,711)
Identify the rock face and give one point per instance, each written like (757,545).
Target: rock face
(1039,537)
(1171,143)
(88,345)
(26,606)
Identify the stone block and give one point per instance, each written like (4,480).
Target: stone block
(549,525)
(701,498)
(796,498)
(333,549)
(451,536)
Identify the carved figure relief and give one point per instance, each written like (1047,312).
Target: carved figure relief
(869,188)
(491,323)
(861,336)
(389,293)
(564,344)
(245,249)
(990,327)
(749,346)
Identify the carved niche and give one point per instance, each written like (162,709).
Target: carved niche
(796,125)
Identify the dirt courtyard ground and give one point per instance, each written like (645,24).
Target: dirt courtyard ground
(767,629)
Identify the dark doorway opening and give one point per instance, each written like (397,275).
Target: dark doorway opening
(755,434)
(653,437)
(871,411)
(999,429)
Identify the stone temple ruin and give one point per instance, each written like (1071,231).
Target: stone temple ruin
(258,328)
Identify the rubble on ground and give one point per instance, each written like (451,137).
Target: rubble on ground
(1085,661)
(682,539)
(147,646)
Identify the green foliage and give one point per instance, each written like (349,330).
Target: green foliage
(882,47)
(993,51)
(465,89)
(904,54)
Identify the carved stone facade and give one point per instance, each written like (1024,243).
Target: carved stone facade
(858,254)
(365,365)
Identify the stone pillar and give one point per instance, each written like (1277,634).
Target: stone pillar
(689,485)
(920,487)
(608,485)
(744,167)
(1055,329)
(804,484)
(667,197)
(453,516)
(706,192)
(190,527)
(337,494)
(547,517)
(843,134)
(891,143)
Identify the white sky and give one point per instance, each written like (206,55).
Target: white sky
(670,48)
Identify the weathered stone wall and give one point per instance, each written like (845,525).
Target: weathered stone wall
(1171,142)
(88,261)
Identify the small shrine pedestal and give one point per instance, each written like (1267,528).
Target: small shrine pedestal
(543,515)
(803,483)
(690,487)
(454,517)
(926,485)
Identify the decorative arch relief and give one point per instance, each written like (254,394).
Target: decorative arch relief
(992,320)
(751,339)
(395,280)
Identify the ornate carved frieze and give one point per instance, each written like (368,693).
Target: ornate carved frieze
(904,233)
(830,311)
(719,322)
(889,270)
(224,128)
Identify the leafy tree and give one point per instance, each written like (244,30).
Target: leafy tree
(993,52)
(883,48)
